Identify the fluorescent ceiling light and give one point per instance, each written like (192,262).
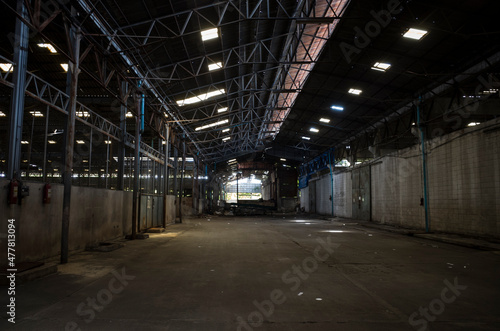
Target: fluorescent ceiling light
(355,91)
(232,160)
(48,46)
(226,139)
(221,110)
(215,66)
(200,97)
(473,123)
(211,125)
(306,138)
(324,120)
(81,142)
(24,142)
(415,34)
(36,113)
(209,34)
(381,66)
(52,142)
(129,114)
(82,114)
(284,160)
(6,67)
(339,108)
(313,130)
(226,130)
(64,66)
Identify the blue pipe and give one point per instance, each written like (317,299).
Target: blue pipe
(424,165)
(142,109)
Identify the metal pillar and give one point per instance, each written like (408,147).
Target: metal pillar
(176,174)
(123,127)
(45,144)
(73,69)
(331,177)
(424,165)
(183,170)
(137,157)
(165,174)
(17,100)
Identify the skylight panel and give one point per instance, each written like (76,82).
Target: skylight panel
(379,66)
(415,34)
(200,97)
(355,91)
(211,125)
(48,46)
(222,110)
(65,66)
(215,66)
(6,67)
(209,34)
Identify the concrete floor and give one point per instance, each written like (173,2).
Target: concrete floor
(265,273)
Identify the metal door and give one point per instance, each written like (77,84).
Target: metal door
(361,194)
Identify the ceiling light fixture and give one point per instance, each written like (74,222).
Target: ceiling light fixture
(324,120)
(81,142)
(284,160)
(24,142)
(200,97)
(209,34)
(211,125)
(65,66)
(48,46)
(221,110)
(339,108)
(226,130)
(415,34)
(82,114)
(2,114)
(52,142)
(215,66)
(226,139)
(355,91)
(314,130)
(379,66)
(306,138)
(129,114)
(36,113)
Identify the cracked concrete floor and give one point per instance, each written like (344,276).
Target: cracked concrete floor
(267,273)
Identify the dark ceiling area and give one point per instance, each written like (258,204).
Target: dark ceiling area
(266,83)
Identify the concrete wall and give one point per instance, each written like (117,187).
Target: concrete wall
(463,170)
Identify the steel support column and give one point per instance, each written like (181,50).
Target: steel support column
(165,174)
(75,37)
(183,170)
(17,100)
(123,128)
(137,158)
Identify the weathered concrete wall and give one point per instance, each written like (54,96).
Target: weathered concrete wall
(463,170)
(96,215)
(170,215)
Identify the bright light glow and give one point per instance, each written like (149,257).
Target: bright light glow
(36,113)
(214,66)
(200,97)
(82,114)
(473,123)
(81,142)
(48,46)
(6,67)
(221,110)
(211,125)
(64,66)
(313,130)
(355,91)
(226,139)
(284,160)
(306,138)
(381,66)
(108,142)
(52,142)
(339,108)
(2,114)
(209,34)
(129,114)
(415,34)
(232,160)
(333,231)
(324,120)
(24,142)
(226,130)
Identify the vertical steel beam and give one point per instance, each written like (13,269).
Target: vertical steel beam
(17,100)
(123,127)
(73,70)
(137,156)
(424,164)
(183,170)
(45,143)
(165,174)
